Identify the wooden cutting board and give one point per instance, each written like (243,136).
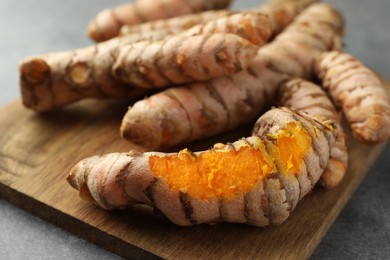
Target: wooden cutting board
(38,150)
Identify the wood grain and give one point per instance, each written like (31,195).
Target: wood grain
(38,150)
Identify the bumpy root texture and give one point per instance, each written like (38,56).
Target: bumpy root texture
(57,79)
(173,25)
(360,94)
(254,26)
(182,59)
(182,114)
(319,28)
(309,98)
(198,110)
(257,180)
(283,11)
(198,54)
(107,24)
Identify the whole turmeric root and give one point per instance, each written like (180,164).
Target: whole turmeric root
(200,110)
(257,180)
(360,94)
(309,98)
(172,25)
(282,11)
(186,58)
(56,79)
(108,22)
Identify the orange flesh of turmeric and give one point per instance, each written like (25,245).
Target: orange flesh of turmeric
(290,149)
(228,173)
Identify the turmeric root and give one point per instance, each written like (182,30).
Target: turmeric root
(199,58)
(200,110)
(186,58)
(107,23)
(360,94)
(57,79)
(173,25)
(283,11)
(309,98)
(257,180)
(256,27)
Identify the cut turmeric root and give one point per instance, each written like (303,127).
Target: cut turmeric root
(108,22)
(360,94)
(257,180)
(309,98)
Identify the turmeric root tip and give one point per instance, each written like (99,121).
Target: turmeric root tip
(34,81)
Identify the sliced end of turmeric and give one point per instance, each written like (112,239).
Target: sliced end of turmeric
(226,172)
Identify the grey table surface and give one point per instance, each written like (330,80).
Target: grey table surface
(362,230)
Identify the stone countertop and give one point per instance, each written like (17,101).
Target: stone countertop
(33,27)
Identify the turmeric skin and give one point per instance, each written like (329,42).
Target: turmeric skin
(256,27)
(282,12)
(46,81)
(198,54)
(257,180)
(108,22)
(173,25)
(182,59)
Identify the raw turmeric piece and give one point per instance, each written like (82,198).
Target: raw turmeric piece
(198,58)
(198,54)
(283,11)
(309,98)
(108,22)
(198,110)
(256,27)
(57,79)
(173,25)
(70,76)
(359,92)
(256,180)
